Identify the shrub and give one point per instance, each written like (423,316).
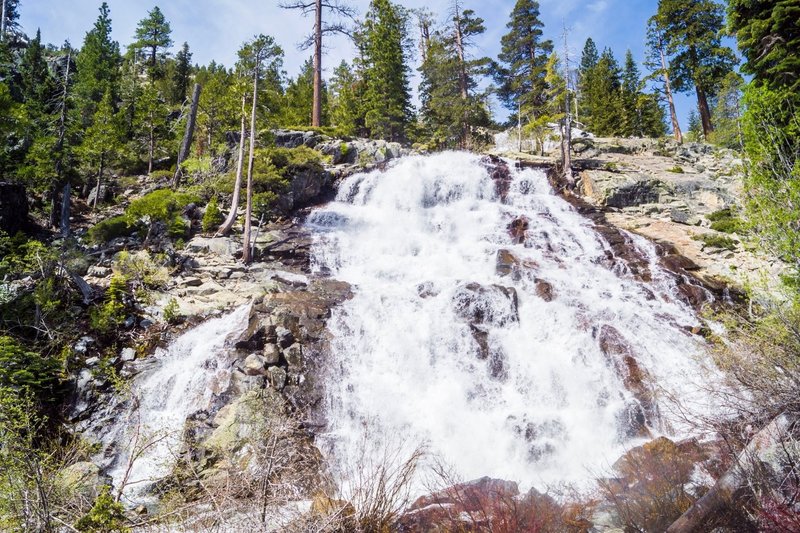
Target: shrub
(726,221)
(162,175)
(141,269)
(264,204)
(212,217)
(23,370)
(106,515)
(111,228)
(110,315)
(161,205)
(675,170)
(172,312)
(713,240)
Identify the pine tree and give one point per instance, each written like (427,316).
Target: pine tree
(727,113)
(630,97)
(451,105)
(37,85)
(769,40)
(589,58)
(344,100)
(10,23)
(101,144)
(692,32)
(182,74)
(153,35)
(150,123)
(603,97)
(384,55)
(97,66)
(656,62)
(219,106)
(299,98)
(523,62)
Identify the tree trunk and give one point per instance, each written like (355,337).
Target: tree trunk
(151,148)
(722,494)
(99,180)
(65,198)
(226,226)
(566,141)
(247,256)
(3,23)
(316,112)
(59,149)
(462,77)
(676,127)
(705,113)
(187,136)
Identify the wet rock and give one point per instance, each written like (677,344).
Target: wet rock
(693,295)
(507,264)
(518,228)
(500,174)
(254,365)
(493,305)
(622,359)
(544,290)
(13,208)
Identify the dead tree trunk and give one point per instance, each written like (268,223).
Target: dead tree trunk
(59,150)
(247,255)
(316,112)
(676,127)
(187,137)
(566,140)
(99,180)
(226,226)
(462,75)
(722,494)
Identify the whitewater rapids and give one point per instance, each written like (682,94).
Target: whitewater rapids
(406,367)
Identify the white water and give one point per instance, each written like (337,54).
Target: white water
(184,379)
(405,367)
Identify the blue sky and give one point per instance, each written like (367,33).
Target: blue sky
(215,29)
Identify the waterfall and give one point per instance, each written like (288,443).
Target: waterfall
(146,437)
(519,357)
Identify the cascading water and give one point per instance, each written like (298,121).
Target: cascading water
(502,371)
(147,437)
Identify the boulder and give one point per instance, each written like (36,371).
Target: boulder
(544,290)
(272,354)
(13,208)
(518,228)
(507,264)
(277,377)
(492,305)
(105,193)
(254,365)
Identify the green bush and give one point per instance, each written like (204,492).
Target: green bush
(713,240)
(172,311)
(110,315)
(105,516)
(161,205)
(24,371)
(212,217)
(111,228)
(675,170)
(726,221)
(162,175)
(299,158)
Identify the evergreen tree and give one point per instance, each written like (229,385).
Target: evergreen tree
(11,22)
(181,77)
(695,128)
(451,105)
(630,96)
(344,100)
(769,40)
(150,124)
(220,103)
(692,32)
(523,62)
(383,40)
(656,62)
(727,113)
(101,143)
(589,58)
(98,66)
(37,84)
(299,99)
(603,97)
(153,35)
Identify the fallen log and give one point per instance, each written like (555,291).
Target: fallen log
(723,494)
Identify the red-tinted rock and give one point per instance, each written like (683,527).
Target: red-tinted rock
(518,228)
